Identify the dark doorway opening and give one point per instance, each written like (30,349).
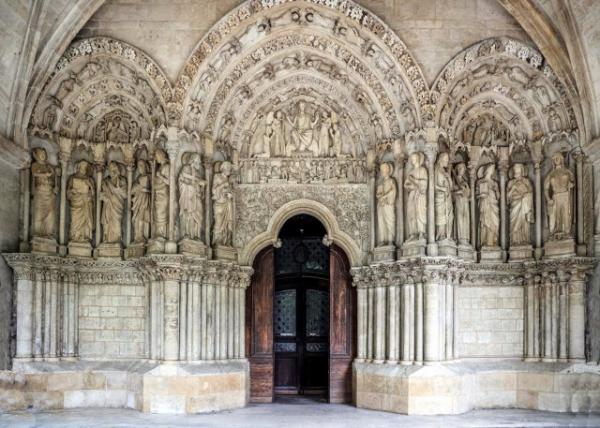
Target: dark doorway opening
(301,309)
(301,318)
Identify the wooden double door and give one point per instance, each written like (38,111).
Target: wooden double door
(312,348)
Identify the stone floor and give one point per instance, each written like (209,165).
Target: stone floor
(297,413)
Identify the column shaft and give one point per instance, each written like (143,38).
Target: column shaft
(577,317)
(418,341)
(171,320)
(380,322)
(431,328)
(25,317)
(361,312)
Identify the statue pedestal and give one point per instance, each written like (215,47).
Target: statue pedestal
(491,254)
(80,249)
(109,249)
(596,245)
(43,245)
(466,252)
(384,253)
(192,247)
(520,253)
(560,248)
(156,246)
(223,252)
(447,247)
(414,248)
(135,249)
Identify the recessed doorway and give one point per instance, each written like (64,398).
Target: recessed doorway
(300,317)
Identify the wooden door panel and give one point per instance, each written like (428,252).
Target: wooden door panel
(342,328)
(259,327)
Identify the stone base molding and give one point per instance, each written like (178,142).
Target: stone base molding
(454,388)
(144,386)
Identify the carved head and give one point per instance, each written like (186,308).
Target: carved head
(40,155)
(142,167)
(461,169)
(490,171)
(160,156)
(226,169)
(82,167)
(416,159)
(443,160)
(385,169)
(558,160)
(113,169)
(518,170)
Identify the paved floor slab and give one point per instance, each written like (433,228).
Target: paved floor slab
(296,414)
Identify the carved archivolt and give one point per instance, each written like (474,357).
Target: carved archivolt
(102,90)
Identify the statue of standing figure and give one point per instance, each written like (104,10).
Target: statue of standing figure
(191,197)
(416,204)
(113,195)
(161,195)
(80,193)
(44,190)
(520,200)
(462,204)
(302,130)
(222,196)
(386,210)
(444,210)
(488,195)
(558,191)
(140,192)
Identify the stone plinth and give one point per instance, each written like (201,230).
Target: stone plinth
(520,253)
(460,387)
(414,248)
(447,247)
(136,249)
(490,254)
(109,250)
(562,248)
(192,247)
(225,253)
(466,252)
(156,246)
(384,254)
(80,249)
(43,245)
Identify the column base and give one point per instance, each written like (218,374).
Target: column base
(560,248)
(414,248)
(432,249)
(156,246)
(80,249)
(42,245)
(520,253)
(192,247)
(384,253)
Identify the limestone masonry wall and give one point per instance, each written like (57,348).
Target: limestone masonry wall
(490,322)
(112,321)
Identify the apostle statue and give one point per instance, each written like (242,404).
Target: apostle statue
(191,196)
(520,200)
(80,193)
(488,195)
(113,195)
(44,190)
(462,203)
(160,210)
(278,137)
(558,190)
(416,204)
(324,137)
(140,194)
(222,196)
(386,210)
(444,210)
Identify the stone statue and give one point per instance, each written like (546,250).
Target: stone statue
(336,137)
(113,195)
(444,210)
(260,145)
(558,190)
(44,190)
(324,138)
(116,131)
(302,132)
(462,203)
(416,204)
(488,195)
(520,200)
(160,210)
(140,193)
(191,196)
(386,210)
(80,193)
(222,196)
(278,138)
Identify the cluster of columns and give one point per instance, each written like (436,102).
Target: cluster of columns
(197,312)
(555,315)
(47,314)
(406,312)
